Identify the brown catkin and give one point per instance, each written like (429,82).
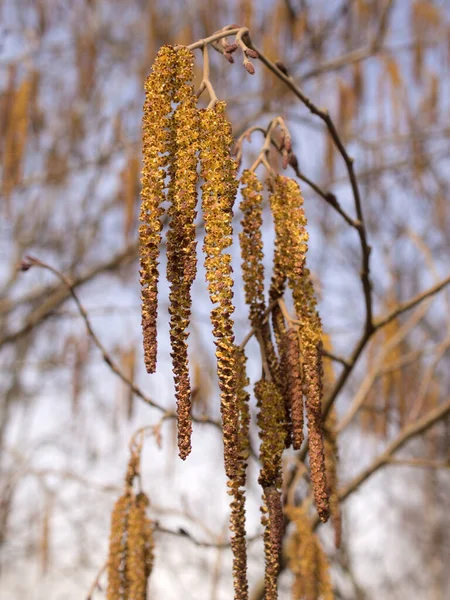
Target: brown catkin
(237,519)
(290,228)
(331,464)
(312,371)
(272,432)
(331,448)
(117,580)
(294,390)
(181,238)
(273,521)
(159,95)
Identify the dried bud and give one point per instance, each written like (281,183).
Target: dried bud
(249,67)
(288,142)
(251,53)
(285,159)
(229,58)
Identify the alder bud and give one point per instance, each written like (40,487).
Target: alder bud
(250,68)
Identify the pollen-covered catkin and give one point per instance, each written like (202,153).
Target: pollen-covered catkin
(181,238)
(294,390)
(331,464)
(139,549)
(237,485)
(311,340)
(272,432)
(159,95)
(117,558)
(219,189)
(252,246)
(332,450)
(307,559)
(290,228)
(273,522)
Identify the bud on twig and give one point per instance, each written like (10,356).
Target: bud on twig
(250,68)
(251,53)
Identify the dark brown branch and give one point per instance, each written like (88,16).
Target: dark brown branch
(360,224)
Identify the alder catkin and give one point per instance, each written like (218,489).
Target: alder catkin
(181,237)
(139,549)
(159,95)
(273,522)
(331,464)
(307,559)
(294,389)
(117,557)
(290,228)
(252,246)
(272,432)
(219,189)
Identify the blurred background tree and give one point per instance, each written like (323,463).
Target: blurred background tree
(71,94)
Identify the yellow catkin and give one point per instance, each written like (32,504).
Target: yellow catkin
(181,238)
(159,95)
(15,137)
(331,450)
(218,194)
(331,463)
(272,432)
(139,549)
(252,246)
(117,580)
(290,228)
(306,559)
(276,290)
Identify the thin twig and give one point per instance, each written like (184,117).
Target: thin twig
(32,261)
(184,534)
(96,583)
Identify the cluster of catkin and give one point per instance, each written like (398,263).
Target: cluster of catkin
(177,137)
(307,559)
(130,559)
(293,362)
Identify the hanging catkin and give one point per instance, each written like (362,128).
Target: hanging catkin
(218,194)
(130,559)
(252,246)
(237,485)
(139,549)
(290,228)
(181,238)
(117,559)
(273,434)
(306,559)
(294,391)
(159,95)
